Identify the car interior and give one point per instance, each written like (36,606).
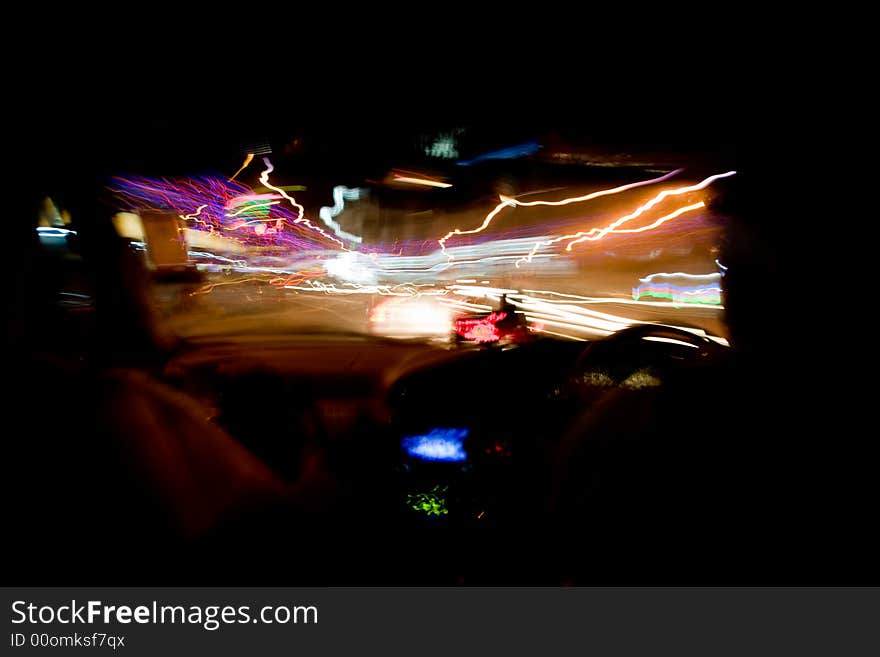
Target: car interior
(654,454)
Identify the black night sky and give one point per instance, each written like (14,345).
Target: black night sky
(160,114)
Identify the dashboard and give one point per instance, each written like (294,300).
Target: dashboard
(428,437)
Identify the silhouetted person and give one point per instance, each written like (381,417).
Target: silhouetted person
(110,474)
(722,474)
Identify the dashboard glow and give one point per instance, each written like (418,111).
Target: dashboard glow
(437,445)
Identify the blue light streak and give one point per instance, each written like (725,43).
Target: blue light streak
(510,153)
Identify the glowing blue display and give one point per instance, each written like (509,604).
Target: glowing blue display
(437,445)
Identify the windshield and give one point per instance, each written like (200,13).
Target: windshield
(439,237)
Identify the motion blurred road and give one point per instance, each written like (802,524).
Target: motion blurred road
(253,307)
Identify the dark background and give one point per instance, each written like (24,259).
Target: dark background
(170,99)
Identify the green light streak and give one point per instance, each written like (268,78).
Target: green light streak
(286,188)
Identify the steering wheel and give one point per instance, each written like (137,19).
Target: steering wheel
(625,351)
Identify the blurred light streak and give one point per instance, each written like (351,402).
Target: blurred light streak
(214,241)
(256,205)
(714,276)
(506,201)
(680,295)
(442,266)
(252,269)
(247,199)
(264,178)
(215,198)
(52,231)
(477,291)
(489,254)
(289,280)
(214,256)
(209,287)
(347,267)
(576,327)
(574,298)
(286,188)
(509,153)
(598,233)
(195,214)
(583,319)
(706,291)
(565,316)
(399,290)
(604,192)
(420,181)
(442,241)
(657,338)
(642,229)
(573,320)
(247,160)
(328,214)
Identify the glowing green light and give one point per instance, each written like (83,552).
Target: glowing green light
(286,188)
(432,503)
(256,209)
(708,298)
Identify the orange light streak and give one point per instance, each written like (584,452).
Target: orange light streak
(598,233)
(247,160)
(506,201)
